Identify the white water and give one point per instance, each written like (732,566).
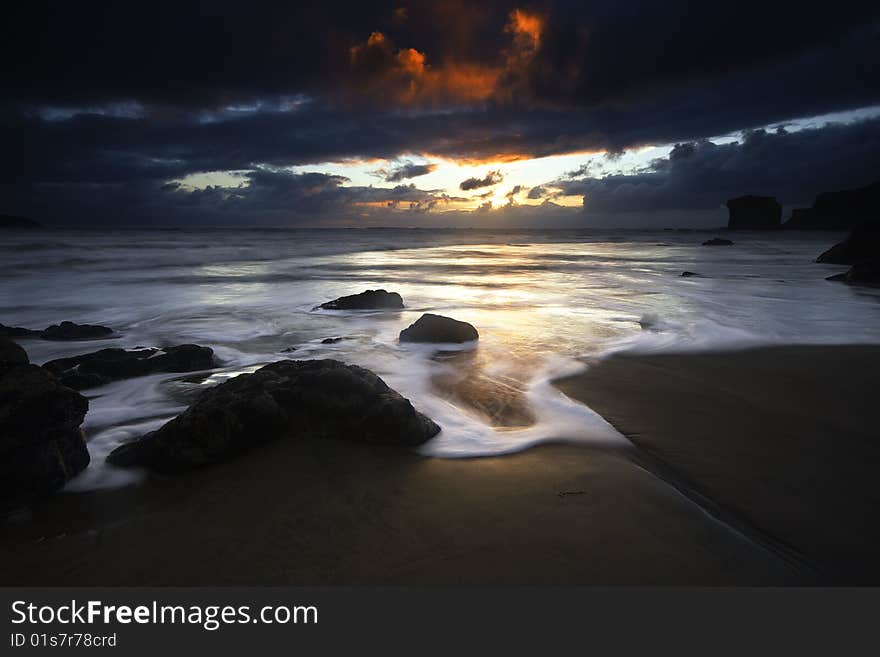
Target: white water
(542,301)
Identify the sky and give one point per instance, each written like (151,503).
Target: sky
(433,113)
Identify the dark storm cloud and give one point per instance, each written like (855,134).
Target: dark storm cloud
(265,197)
(793,166)
(114,100)
(406,171)
(491,178)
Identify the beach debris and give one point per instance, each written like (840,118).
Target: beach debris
(718,241)
(368,300)
(288,399)
(107,365)
(41,443)
(439,329)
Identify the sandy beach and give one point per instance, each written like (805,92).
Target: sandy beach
(750,467)
(780,441)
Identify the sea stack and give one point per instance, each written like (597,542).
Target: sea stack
(754,213)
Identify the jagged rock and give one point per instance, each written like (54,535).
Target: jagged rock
(101,367)
(754,212)
(840,210)
(862,273)
(862,244)
(290,399)
(71,331)
(718,241)
(440,329)
(41,443)
(369,300)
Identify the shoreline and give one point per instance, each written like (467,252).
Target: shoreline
(778,439)
(335,512)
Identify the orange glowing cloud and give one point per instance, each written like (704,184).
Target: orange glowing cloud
(407,77)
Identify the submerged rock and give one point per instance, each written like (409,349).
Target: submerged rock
(754,212)
(690,274)
(862,273)
(369,300)
(298,400)
(41,443)
(718,241)
(101,367)
(862,244)
(439,329)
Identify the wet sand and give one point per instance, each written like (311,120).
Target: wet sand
(783,442)
(749,468)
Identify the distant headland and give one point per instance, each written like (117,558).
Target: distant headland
(13,222)
(839,210)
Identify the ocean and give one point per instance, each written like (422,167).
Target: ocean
(545,303)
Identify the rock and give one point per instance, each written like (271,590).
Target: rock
(41,443)
(840,210)
(689,274)
(12,222)
(863,243)
(437,328)
(369,300)
(754,212)
(11,354)
(718,241)
(71,331)
(290,399)
(18,332)
(101,367)
(331,340)
(289,350)
(861,273)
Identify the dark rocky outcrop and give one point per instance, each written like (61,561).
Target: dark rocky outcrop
(439,329)
(840,210)
(71,331)
(290,399)
(862,244)
(754,213)
(11,354)
(18,332)
(369,300)
(13,222)
(718,241)
(690,274)
(41,443)
(101,367)
(862,273)
(59,332)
